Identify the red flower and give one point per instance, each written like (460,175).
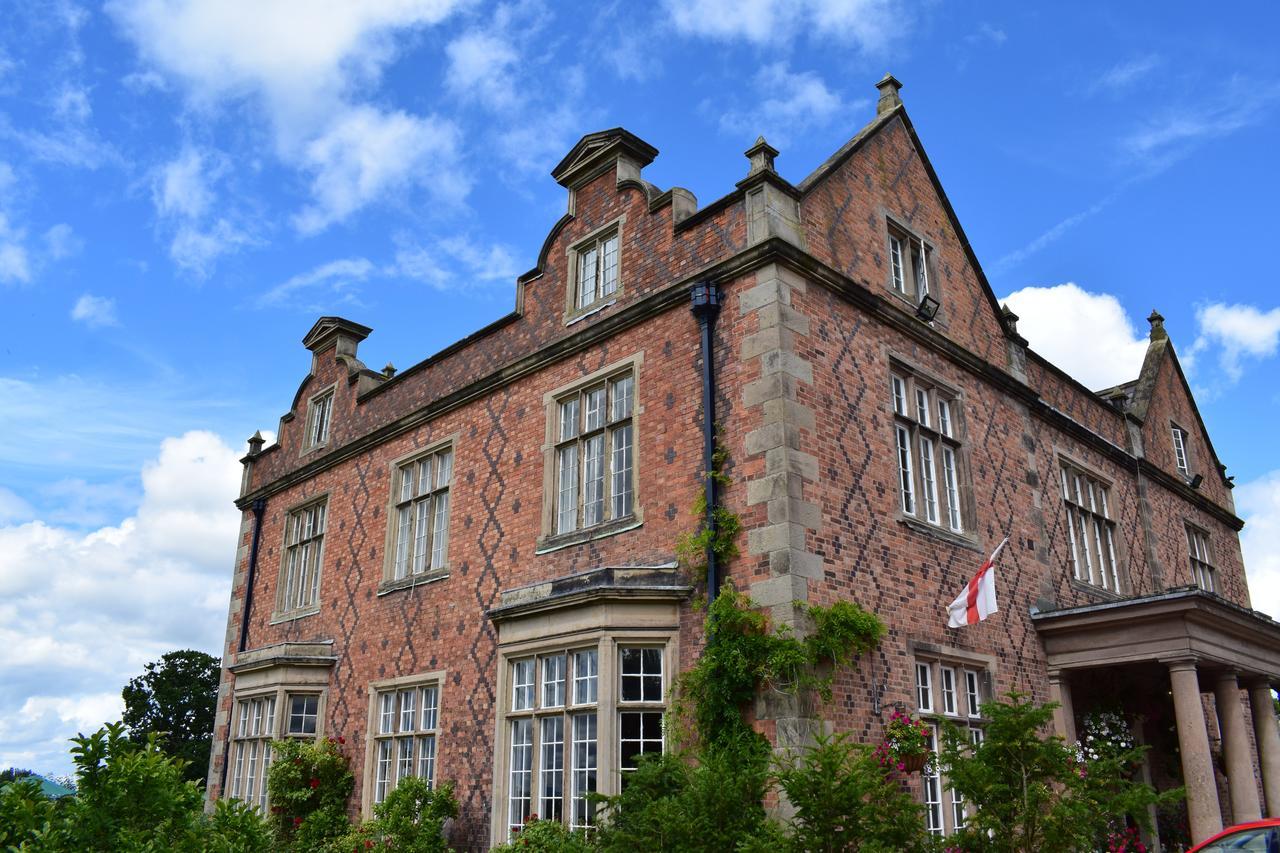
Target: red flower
(341,739)
(315,783)
(368,845)
(297,821)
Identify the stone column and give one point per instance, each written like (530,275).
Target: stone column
(1268,739)
(1235,749)
(1064,716)
(1193,740)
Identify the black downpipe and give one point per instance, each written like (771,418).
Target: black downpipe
(259,507)
(706,307)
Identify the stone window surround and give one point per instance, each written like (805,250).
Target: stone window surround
(967,537)
(421,679)
(1206,560)
(278,680)
(307,445)
(549,540)
(937,657)
(1065,457)
(387,584)
(572,314)
(910,299)
(609,619)
(277,614)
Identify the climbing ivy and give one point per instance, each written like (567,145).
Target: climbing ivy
(723,539)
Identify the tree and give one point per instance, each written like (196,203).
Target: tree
(175,698)
(13,774)
(1033,791)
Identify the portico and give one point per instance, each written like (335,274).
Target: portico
(1205,645)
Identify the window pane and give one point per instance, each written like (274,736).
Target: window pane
(929,481)
(427,759)
(948,690)
(944,418)
(595,409)
(973,701)
(387,713)
(924,687)
(444,468)
(404,758)
(567,496)
(951,482)
(430,708)
(569,419)
(584,768)
(382,774)
(521,771)
(586,676)
(609,266)
(551,771)
(593,481)
(639,732)
(587,277)
(406,482)
(404,524)
(522,685)
(899,395)
(905,476)
(922,406)
(422,524)
(641,675)
(895,264)
(553,681)
(622,487)
(622,394)
(408,710)
(424,476)
(932,785)
(440,534)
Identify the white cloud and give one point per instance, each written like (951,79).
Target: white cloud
(1125,74)
(60,241)
(480,66)
(157,581)
(871,26)
(1237,331)
(455,263)
(1173,133)
(15,264)
(1259,504)
(195,249)
(301,64)
(95,311)
(368,153)
(1054,320)
(72,104)
(786,103)
(180,187)
(334,277)
(1017,256)
(12,507)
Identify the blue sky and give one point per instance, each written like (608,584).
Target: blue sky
(185,186)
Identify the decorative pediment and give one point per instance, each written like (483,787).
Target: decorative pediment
(598,151)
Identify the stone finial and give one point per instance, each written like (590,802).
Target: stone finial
(1010,318)
(889,98)
(1157,326)
(761,156)
(255,443)
(389,371)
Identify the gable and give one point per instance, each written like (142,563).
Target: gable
(883,176)
(1166,400)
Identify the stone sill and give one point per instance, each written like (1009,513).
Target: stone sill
(547,544)
(950,537)
(388,587)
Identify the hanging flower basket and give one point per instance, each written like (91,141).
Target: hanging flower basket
(905,747)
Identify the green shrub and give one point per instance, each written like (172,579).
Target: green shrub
(309,783)
(547,836)
(845,801)
(410,820)
(1033,791)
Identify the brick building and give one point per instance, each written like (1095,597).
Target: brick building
(467,569)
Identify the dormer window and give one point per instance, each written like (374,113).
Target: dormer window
(909,260)
(319,416)
(595,271)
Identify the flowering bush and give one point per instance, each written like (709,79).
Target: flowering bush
(905,738)
(546,836)
(1106,735)
(309,784)
(1126,840)
(412,819)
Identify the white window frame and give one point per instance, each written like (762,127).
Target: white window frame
(1203,572)
(589,289)
(1180,456)
(302,559)
(319,419)
(934,703)
(582,765)
(417,545)
(406,710)
(1090,527)
(928,446)
(909,260)
(250,737)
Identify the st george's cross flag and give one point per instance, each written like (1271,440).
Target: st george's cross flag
(977,600)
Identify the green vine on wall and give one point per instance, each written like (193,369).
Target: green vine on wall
(743,654)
